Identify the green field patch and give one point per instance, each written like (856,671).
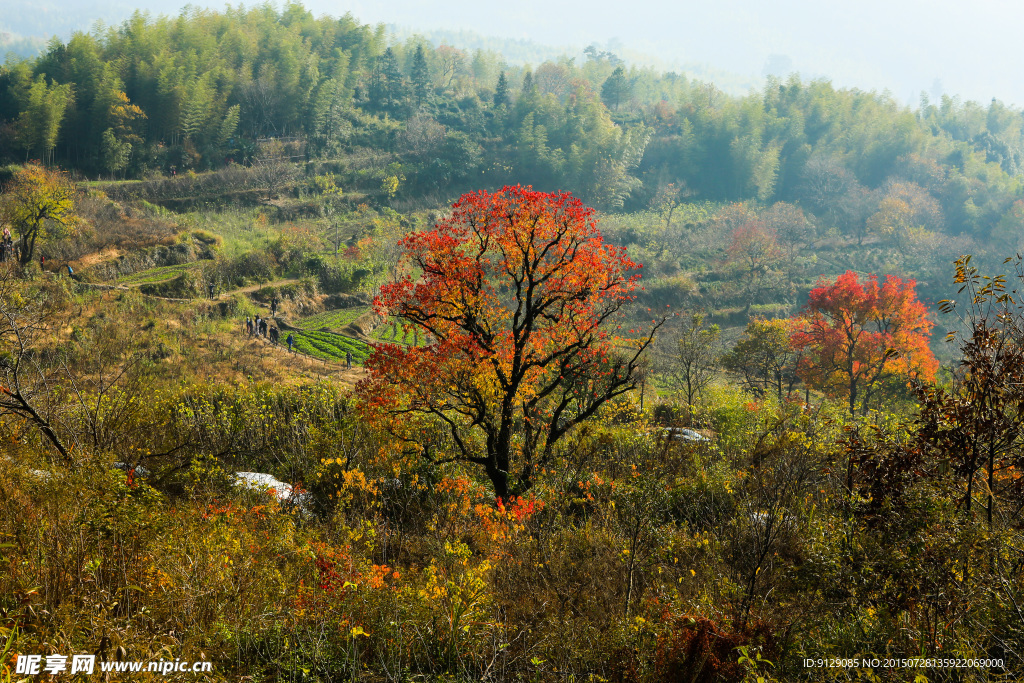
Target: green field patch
(330,346)
(155,275)
(391,332)
(395,332)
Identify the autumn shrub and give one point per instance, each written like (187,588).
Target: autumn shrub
(701,650)
(669,414)
(705,498)
(280,430)
(226,557)
(456,585)
(103,551)
(734,416)
(71,535)
(922,582)
(249,268)
(334,276)
(266,294)
(343,491)
(567,590)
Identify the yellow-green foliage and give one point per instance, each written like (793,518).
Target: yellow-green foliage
(632,558)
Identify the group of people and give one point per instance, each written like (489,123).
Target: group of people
(259,327)
(6,246)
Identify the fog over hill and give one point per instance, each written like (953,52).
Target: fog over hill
(904,46)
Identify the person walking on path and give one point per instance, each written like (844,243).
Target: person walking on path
(71,272)
(348,359)
(263,328)
(256,325)
(6,245)
(273,308)
(291,340)
(248,325)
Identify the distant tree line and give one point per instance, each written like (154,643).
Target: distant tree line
(206,89)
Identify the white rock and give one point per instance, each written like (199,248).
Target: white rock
(677,434)
(140,471)
(284,492)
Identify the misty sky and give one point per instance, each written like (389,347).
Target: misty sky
(905,46)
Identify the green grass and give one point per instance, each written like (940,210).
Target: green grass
(335,319)
(330,346)
(243,230)
(394,332)
(155,275)
(109,183)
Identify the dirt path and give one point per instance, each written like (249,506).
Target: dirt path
(256,288)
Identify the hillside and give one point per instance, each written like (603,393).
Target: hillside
(650,382)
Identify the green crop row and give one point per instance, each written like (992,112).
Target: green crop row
(394,332)
(329,346)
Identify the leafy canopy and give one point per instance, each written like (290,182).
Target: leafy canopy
(765,356)
(39,203)
(517,291)
(858,334)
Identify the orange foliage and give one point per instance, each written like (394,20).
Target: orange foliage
(857,334)
(515,290)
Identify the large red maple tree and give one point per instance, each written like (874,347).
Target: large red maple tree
(857,334)
(519,297)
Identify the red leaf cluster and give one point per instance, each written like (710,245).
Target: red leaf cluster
(858,333)
(513,291)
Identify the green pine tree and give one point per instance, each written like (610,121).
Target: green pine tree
(616,89)
(420,77)
(501,96)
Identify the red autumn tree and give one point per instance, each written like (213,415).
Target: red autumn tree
(856,335)
(517,292)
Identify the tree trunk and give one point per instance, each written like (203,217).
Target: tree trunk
(27,410)
(28,247)
(498,477)
(853,396)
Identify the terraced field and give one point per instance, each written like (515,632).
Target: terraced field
(155,275)
(319,343)
(393,332)
(330,346)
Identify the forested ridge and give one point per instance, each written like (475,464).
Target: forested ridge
(198,90)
